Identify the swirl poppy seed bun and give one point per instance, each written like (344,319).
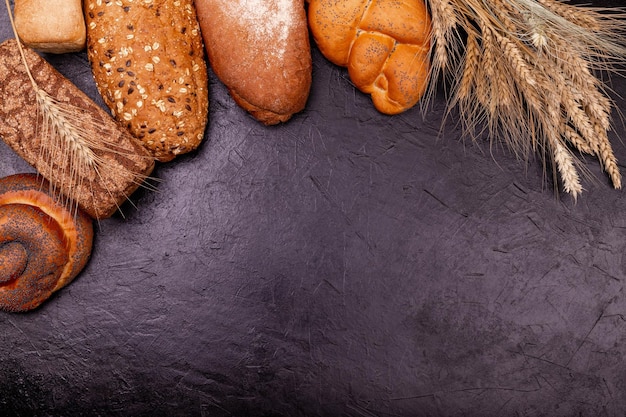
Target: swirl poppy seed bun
(43,246)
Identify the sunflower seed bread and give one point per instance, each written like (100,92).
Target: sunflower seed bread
(147,58)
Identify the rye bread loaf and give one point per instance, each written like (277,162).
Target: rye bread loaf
(147,58)
(260,50)
(125,162)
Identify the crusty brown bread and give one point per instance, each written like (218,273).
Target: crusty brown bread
(384,44)
(54,26)
(260,50)
(147,58)
(125,161)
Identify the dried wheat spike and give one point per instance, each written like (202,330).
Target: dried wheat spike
(530,74)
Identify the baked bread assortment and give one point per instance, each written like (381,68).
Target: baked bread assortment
(43,246)
(260,50)
(54,26)
(384,45)
(119,162)
(147,59)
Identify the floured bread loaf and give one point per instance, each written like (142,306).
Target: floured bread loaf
(147,58)
(384,44)
(260,50)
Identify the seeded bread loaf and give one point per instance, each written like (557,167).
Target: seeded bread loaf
(147,58)
(118,162)
(260,50)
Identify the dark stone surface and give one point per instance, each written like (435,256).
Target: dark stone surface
(343,264)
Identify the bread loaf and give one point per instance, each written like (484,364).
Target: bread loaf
(147,58)
(260,50)
(54,26)
(384,44)
(121,162)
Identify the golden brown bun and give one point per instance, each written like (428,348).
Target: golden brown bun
(123,160)
(55,26)
(147,58)
(384,45)
(43,246)
(260,50)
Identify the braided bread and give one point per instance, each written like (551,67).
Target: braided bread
(383,43)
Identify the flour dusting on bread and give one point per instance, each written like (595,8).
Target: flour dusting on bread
(268,20)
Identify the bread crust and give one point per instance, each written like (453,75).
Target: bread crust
(260,50)
(147,58)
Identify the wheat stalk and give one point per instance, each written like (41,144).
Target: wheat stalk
(565,164)
(68,133)
(530,74)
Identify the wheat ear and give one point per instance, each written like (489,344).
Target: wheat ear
(530,75)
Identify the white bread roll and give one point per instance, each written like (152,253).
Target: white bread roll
(54,26)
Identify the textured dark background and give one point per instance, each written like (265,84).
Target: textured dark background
(343,264)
